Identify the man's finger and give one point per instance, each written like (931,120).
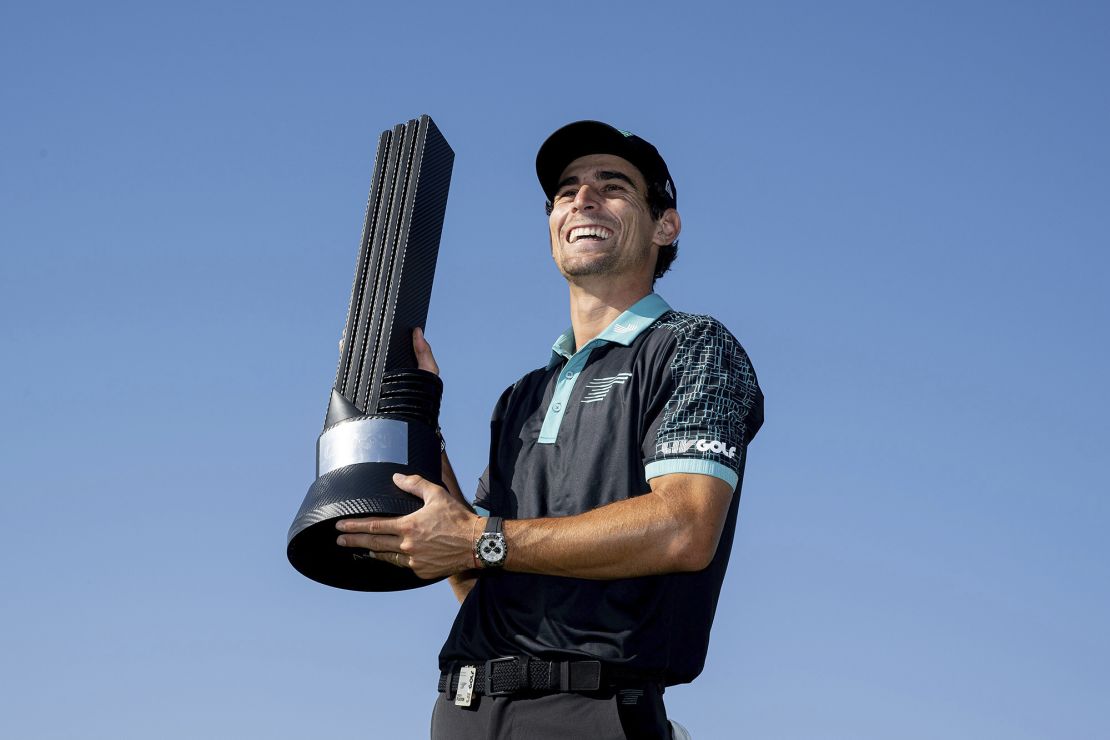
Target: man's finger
(425,360)
(376,543)
(417,486)
(394,558)
(370,525)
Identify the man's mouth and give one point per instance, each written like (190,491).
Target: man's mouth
(591,233)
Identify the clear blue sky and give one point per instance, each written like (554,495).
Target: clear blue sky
(901,209)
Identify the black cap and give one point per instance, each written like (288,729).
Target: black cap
(594,137)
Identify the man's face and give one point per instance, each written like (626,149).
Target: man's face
(600,222)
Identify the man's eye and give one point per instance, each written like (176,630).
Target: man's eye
(613,188)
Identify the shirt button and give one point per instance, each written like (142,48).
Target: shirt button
(557,407)
(569,375)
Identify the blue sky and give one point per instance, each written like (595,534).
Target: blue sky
(900,209)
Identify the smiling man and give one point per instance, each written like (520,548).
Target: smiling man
(590,566)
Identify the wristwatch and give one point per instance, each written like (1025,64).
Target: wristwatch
(490,548)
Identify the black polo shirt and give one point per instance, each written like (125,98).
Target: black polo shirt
(657,392)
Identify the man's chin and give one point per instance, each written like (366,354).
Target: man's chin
(581,263)
(586,268)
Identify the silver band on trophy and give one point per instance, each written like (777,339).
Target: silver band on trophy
(362,440)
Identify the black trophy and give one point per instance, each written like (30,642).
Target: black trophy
(383,413)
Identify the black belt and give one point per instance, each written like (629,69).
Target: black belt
(518,674)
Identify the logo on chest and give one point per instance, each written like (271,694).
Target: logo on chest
(598,388)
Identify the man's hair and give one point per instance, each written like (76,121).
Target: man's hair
(657,203)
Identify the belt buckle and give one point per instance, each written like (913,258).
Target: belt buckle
(584,675)
(489,677)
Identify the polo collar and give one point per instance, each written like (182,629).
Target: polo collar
(624,329)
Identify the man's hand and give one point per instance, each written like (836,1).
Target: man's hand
(436,540)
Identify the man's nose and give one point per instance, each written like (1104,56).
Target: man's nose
(585,198)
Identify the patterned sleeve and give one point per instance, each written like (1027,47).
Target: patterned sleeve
(714,405)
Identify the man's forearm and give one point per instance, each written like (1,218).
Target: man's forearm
(461,583)
(673,528)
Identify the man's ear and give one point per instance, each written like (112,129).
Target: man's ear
(667,227)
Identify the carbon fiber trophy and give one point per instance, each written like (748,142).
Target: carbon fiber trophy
(383,414)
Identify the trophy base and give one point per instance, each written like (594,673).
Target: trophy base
(360,490)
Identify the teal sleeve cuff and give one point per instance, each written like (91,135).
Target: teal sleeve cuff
(481,510)
(691,465)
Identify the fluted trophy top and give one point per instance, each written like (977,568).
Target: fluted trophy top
(396,260)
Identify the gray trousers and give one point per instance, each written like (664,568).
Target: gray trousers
(628,714)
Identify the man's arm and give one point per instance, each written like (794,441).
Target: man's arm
(463,581)
(674,527)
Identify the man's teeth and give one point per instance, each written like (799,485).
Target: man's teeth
(591,232)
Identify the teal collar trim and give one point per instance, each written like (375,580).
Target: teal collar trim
(624,329)
(562,349)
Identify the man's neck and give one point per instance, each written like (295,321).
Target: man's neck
(594,308)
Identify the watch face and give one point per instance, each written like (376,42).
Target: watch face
(492,548)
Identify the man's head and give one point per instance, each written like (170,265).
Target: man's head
(640,169)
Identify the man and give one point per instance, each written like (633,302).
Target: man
(590,573)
